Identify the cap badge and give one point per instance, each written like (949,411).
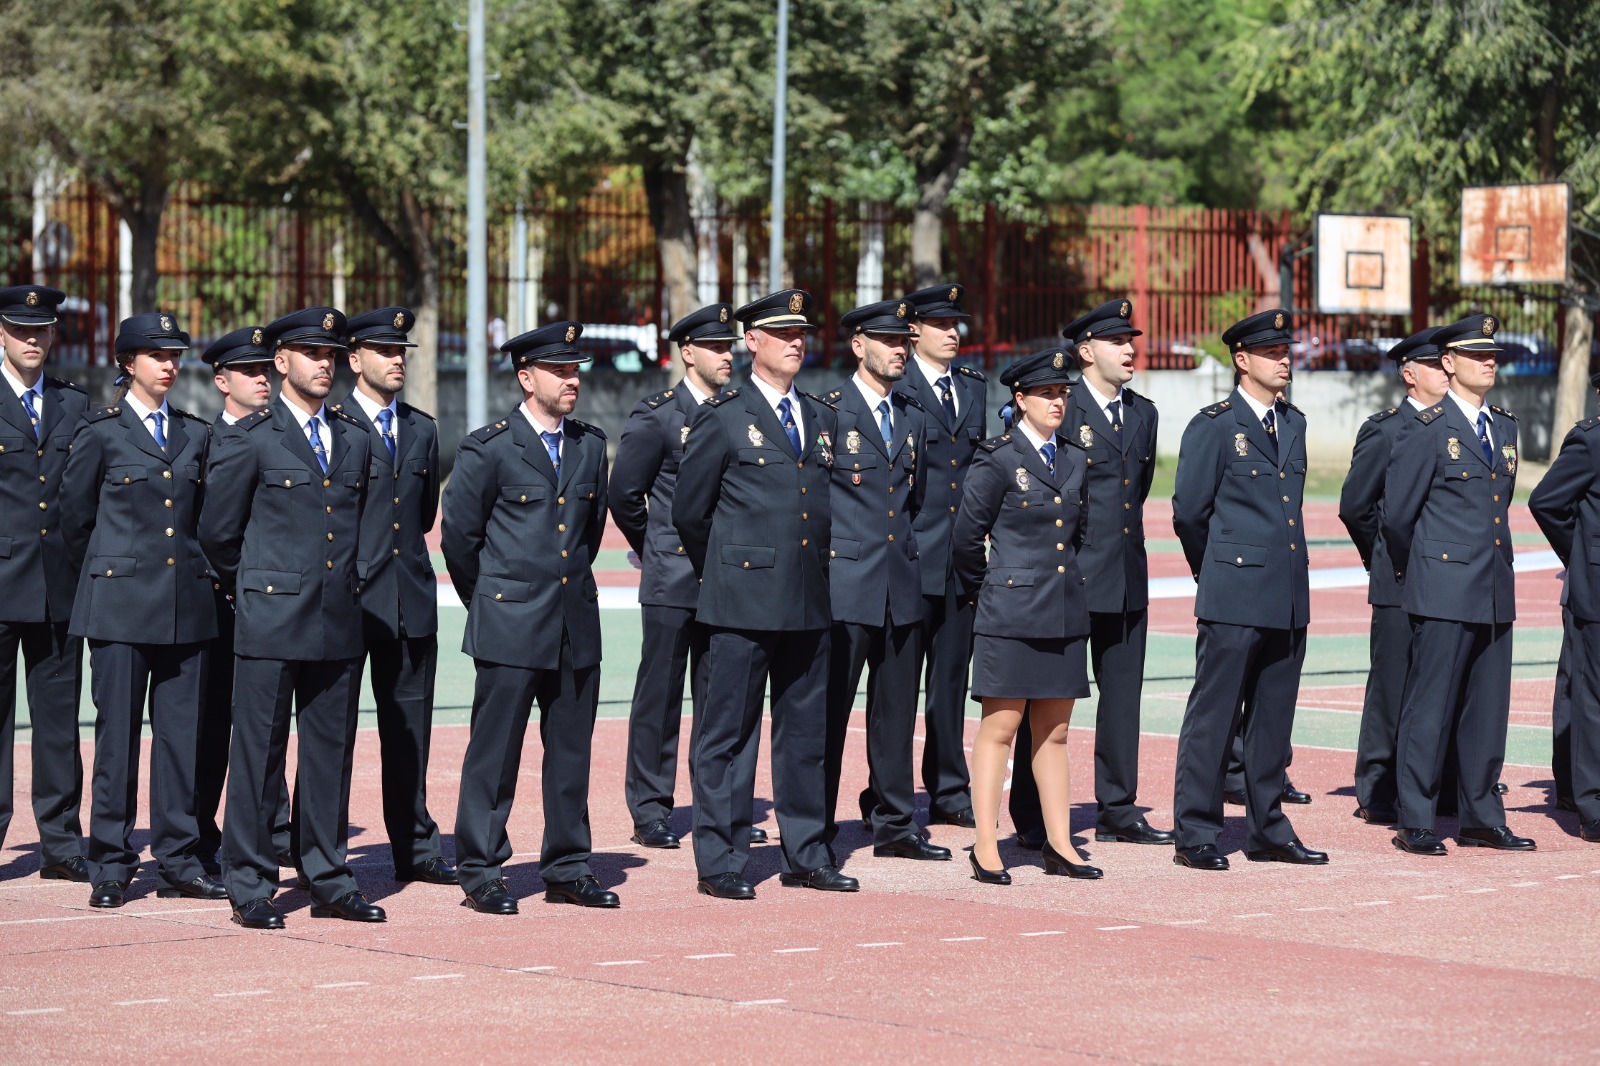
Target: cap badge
(1453,446)
(1241,446)
(796,302)
(756,437)
(1086,436)
(1024,482)
(327,320)
(399,320)
(900,312)
(852,442)
(572,332)
(1059,361)
(1509,453)
(32,299)
(1488,325)
(722,315)
(1277,320)
(955,293)
(166,324)
(255,338)
(683,435)
(1125,310)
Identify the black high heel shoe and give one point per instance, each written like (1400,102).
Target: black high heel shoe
(987,877)
(1056,863)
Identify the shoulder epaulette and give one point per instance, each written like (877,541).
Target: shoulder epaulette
(1429,414)
(1502,411)
(910,401)
(587,427)
(345,416)
(179,413)
(252,421)
(110,410)
(1292,407)
(406,408)
(1127,392)
(971,373)
(721,398)
(1587,424)
(660,398)
(1384,414)
(493,429)
(994,444)
(828,399)
(1216,409)
(62,383)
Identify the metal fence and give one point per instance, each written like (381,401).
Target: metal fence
(1189,271)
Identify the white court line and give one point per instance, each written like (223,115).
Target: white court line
(715,955)
(341,984)
(1189,921)
(1478,891)
(434,976)
(1427,897)
(759,1002)
(1257,914)
(1525,884)
(1567,877)
(122,914)
(792,951)
(622,962)
(1311,909)
(884,944)
(243,992)
(1046,932)
(1375,903)
(138,1002)
(533,969)
(1116,928)
(37,1010)
(961,939)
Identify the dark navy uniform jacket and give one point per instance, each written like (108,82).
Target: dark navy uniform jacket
(1121,467)
(1238,515)
(520,542)
(1361,500)
(755,521)
(1445,516)
(1030,585)
(283,535)
(129,512)
(1566,504)
(875,496)
(947,454)
(396,572)
(34,569)
(643,479)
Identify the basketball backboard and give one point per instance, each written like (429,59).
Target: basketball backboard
(1364,264)
(1515,234)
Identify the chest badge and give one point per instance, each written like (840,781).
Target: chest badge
(683,435)
(1086,436)
(1509,453)
(1024,482)
(852,442)
(1241,446)
(757,438)
(1453,446)
(855,479)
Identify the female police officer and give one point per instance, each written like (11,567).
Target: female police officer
(1026,495)
(130,500)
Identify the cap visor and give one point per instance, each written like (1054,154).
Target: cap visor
(708,337)
(781,322)
(30,320)
(386,342)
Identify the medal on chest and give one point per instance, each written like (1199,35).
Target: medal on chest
(1509,454)
(1453,446)
(757,438)
(1241,446)
(1024,482)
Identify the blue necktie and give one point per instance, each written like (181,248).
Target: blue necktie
(33,412)
(1047,452)
(1114,409)
(552,447)
(314,426)
(947,398)
(386,430)
(786,416)
(159,434)
(1483,437)
(1269,422)
(885,422)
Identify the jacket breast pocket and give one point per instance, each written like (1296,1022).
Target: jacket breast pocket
(1463,471)
(270,582)
(1028,498)
(1240,555)
(15,446)
(503,590)
(756,456)
(520,494)
(582,492)
(1251,468)
(286,479)
(844,549)
(112,566)
(1442,550)
(1008,577)
(749,556)
(417,467)
(859,461)
(125,475)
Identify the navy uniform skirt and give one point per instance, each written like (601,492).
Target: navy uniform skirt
(1054,668)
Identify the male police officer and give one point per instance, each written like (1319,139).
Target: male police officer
(1236,507)
(1115,427)
(1360,509)
(38,414)
(522,521)
(876,589)
(1446,503)
(642,482)
(751,505)
(284,494)
(399,592)
(953,400)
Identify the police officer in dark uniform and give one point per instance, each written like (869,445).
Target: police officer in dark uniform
(284,495)
(642,481)
(1236,507)
(399,592)
(242,372)
(876,588)
(130,498)
(1446,504)
(523,515)
(1115,428)
(752,508)
(1360,510)
(1566,504)
(38,415)
(954,401)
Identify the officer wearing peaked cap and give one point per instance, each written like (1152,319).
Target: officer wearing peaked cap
(1446,508)
(286,487)
(1116,430)
(876,588)
(523,515)
(752,507)
(1236,507)
(399,591)
(643,479)
(37,416)
(953,400)
(1361,511)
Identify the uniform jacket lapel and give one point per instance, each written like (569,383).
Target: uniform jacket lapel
(341,437)
(51,416)
(865,419)
(1131,423)
(973,397)
(1291,426)
(1084,410)
(139,434)
(765,419)
(411,431)
(571,453)
(293,437)
(1033,461)
(532,445)
(1466,432)
(1255,433)
(921,389)
(12,410)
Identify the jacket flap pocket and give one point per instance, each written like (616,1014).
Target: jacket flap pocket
(1239,554)
(1252,467)
(1460,471)
(111,566)
(503,589)
(352,479)
(524,493)
(863,461)
(1444,551)
(759,456)
(273,582)
(1010,577)
(124,475)
(845,549)
(417,466)
(582,492)
(287,478)
(749,556)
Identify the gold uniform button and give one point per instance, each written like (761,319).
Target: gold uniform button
(216,586)
(166,503)
(170,562)
(1061,569)
(1124,482)
(952,462)
(330,536)
(127,481)
(1009,581)
(747,564)
(269,588)
(41,479)
(1239,559)
(1497,521)
(1253,473)
(891,538)
(1061,547)
(1281,475)
(330,564)
(1497,542)
(397,499)
(326,483)
(167,474)
(1494,477)
(43,506)
(287,483)
(394,551)
(563,553)
(562,528)
(802,490)
(169,531)
(1291,521)
(1124,530)
(680,549)
(891,514)
(891,488)
(1126,506)
(805,516)
(563,581)
(952,484)
(1058,499)
(328,509)
(1497,499)
(952,510)
(1463,473)
(561,499)
(396,526)
(1058,521)
(499,595)
(800,466)
(805,542)
(833,555)
(761,462)
(108,573)
(522,499)
(40,453)
(1291,547)
(1446,555)
(1286,499)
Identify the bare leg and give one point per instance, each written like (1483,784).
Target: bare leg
(990,749)
(1052,771)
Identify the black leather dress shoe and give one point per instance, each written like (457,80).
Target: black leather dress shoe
(352,907)
(1419,841)
(1294,795)
(986,876)
(1501,788)
(1140,832)
(1204,857)
(655,835)
(1378,815)
(73,869)
(491,897)
(727,886)
(964,817)
(912,847)
(823,879)
(1499,837)
(758,835)
(109,894)
(1292,852)
(1590,831)
(200,888)
(1057,863)
(585,892)
(1030,839)
(434,871)
(1233,797)
(258,914)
